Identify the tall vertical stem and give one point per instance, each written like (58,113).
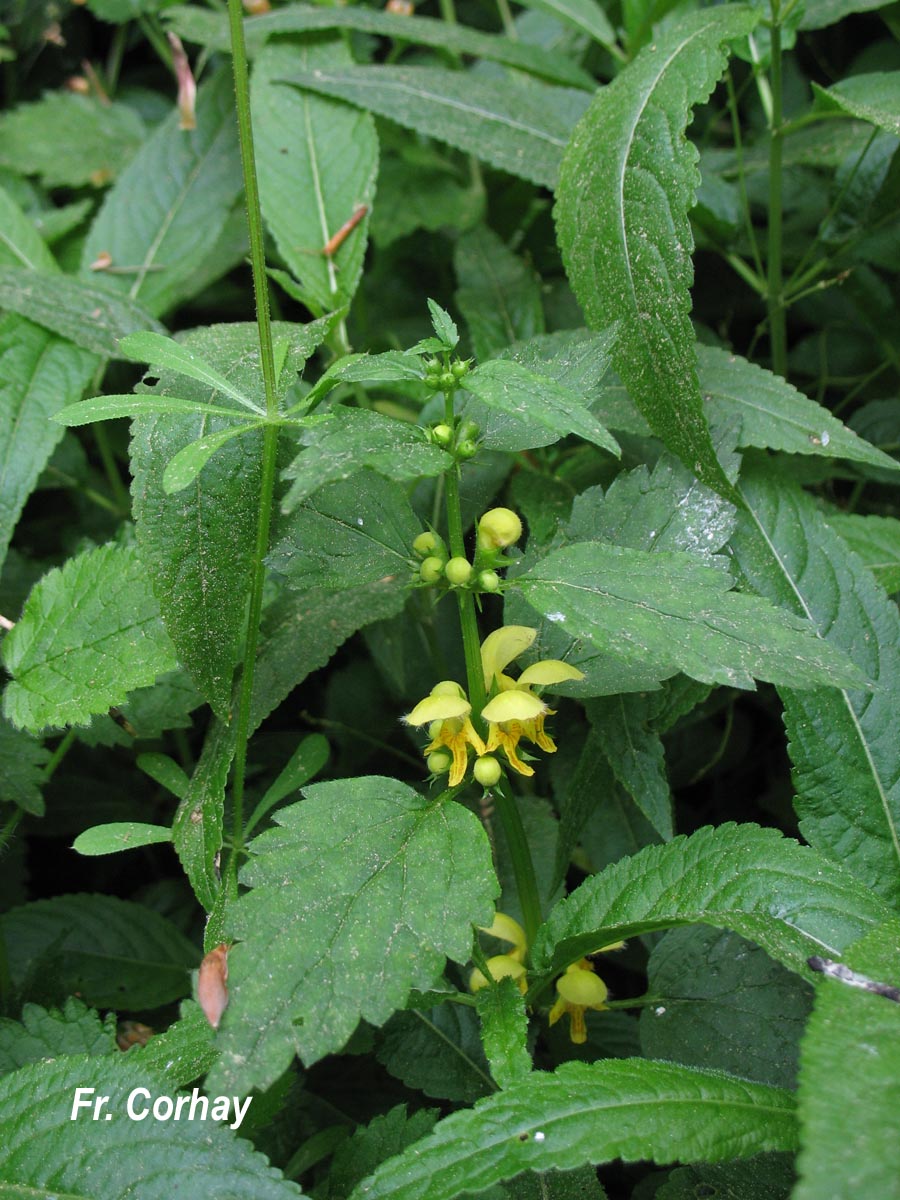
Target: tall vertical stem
(777,325)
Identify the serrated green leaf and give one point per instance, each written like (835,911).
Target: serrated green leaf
(354,438)
(505,385)
(148,712)
(786,898)
(326,152)
(520,128)
(210,29)
(721,1002)
(850,1080)
(504,1031)
(174,356)
(307,760)
(873,97)
(843,744)
(118,836)
(347,534)
(22,762)
(70,140)
(498,295)
(774,414)
(47,1153)
(668,612)
(439,200)
(199,822)
(51,1033)
(184,467)
(628,180)
(632,1109)
(635,754)
(764,1177)
(436,1051)
(89,316)
(388,879)
(112,953)
(828,12)
(20,243)
(380,1139)
(443,325)
(89,634)
(877,542)
(184,1052)
(188,181)
(108,408)
(198,543)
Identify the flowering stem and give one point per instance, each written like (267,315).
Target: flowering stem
(777,324)
(522,863)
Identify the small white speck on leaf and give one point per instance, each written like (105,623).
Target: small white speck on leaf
(659,1010)
(556,616)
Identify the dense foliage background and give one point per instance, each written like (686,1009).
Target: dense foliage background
(583,336)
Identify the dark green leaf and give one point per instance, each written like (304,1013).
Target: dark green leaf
(199,821)
(184,1052)
(520,128)
(585,15)
(631,1109)
(828,12)
(635,754)
(382,1138)
(871,97)
(786,898)
(843,744)
(51,1033)
(437,1051)
(89,634)
(22,762)
(627,183)
(877,542)
(307,760)
(389,880)
(20,243)
(504,1030)
(765,1177)
(498,295)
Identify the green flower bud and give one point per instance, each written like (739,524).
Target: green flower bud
(442,435)
(433,368)
(431,569)
(499,527)
(488,581)
(459,368)
(468,431)
(466,449)
(487,770)
(432,382)
(458,571)
(448,380)
(427,543)
(439,761)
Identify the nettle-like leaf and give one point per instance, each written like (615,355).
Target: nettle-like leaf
(437,1051)
(45,1152)
(371,1144)
(850,1079)
(763,1177)
(520,128)
(183,1052)
(356,897)
(89,634)
(197,830)
(112,953)
(721,1002)
(877,542)
(504,1031)
(627,182)
(589,1113)
(873,97)
(498,294)
(319,149)
(785,897)
(829,12)
(188,181)
(843,742)
(634,751)
(585,15)
(20,243)
(51,1033)
(668,612)
(22,762)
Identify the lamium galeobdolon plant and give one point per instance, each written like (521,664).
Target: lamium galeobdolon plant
(522,572)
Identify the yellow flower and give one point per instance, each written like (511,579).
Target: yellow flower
(505,929)
(516,712)
(501,966)
(577,991)
(446,711)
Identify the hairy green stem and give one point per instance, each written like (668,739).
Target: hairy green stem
(522,863)
(777,325)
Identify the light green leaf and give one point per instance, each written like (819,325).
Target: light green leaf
(184,1052)
(38,374)
(354,438)
(389,880)
(121,835)
(51,1033)
(20,243)
(820,13)
(323,151)
(843,744)
(627,183)
(877,542)
(307,760)
(113,953)
(120,11)
(755,882)
(871,97)
(89,634)
(443,325)
(184,467)
(850,1079)
(519,127)
(164,352)
(774,414)
(187,181)
(585,15)
(89,316)
(668,612)
(109,408)
(721,1002)
(634,751)
(348,534)
(498,294)
(631,1109)
(364,368)
(22,762)
(504,1031)
(70,140)
(209,29)
(505,385)
(199,822)
(198,543)
(166,772)
(436,1051)
(47,1153)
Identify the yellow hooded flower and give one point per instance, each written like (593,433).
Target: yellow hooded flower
(501,966)
(446,711)
(577,991)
